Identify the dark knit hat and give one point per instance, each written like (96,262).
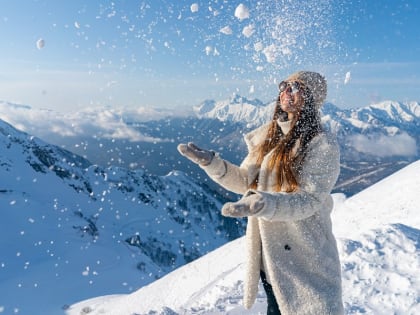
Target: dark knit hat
(315,82)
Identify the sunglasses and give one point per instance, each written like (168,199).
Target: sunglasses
(293,86)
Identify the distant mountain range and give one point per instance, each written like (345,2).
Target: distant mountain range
(375,140)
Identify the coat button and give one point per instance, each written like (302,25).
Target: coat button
(287,247)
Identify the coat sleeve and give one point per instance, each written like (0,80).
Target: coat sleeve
(237,178)
(318,176)
(231,177)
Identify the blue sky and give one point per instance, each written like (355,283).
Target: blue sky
(175,54)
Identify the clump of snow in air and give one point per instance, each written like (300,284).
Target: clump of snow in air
(248,30)
(226,30)
(258,46)
(40,43)
(211,51)
(290,32)
(270,53)
(208,50)
(194,7)
(242,12)
(347,77)
(276,35)
(287,32)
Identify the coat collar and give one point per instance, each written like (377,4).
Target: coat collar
(256,136)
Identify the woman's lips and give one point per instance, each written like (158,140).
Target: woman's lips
(288,100)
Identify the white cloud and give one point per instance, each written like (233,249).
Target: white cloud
(385,146)
(109,123)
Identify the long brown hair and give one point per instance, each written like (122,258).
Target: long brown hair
(304,127)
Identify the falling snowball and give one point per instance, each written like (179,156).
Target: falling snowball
(241,12)
(226,30)
(211,51)
(208,50)
(258,46)
(86,271)
(40,43)
(194,7)
(248,30)
(270,53)
(76,24)
(347,78)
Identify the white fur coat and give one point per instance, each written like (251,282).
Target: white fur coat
(292,234)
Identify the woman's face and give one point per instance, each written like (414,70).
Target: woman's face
(291,99)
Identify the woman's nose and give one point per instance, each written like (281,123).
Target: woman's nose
(288,90)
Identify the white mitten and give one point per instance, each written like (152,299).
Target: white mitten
(249,205)
(196,154)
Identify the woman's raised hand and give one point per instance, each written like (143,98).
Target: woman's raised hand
(196,154)
(250,204)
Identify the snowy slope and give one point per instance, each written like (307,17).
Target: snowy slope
(378,233)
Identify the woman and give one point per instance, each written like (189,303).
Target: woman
(286,179)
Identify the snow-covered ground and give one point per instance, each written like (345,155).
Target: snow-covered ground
(378,233)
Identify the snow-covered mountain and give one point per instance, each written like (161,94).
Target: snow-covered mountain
(71,229)
(236,109)
(378,233)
